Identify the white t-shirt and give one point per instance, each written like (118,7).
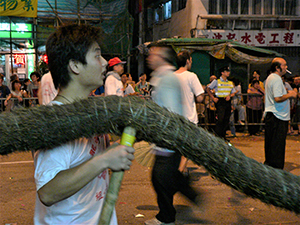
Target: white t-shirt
(113,86)
(129,90)
(274,88)
(48,90)
(84,207)
(191,87)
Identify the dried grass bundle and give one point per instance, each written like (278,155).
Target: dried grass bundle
(46,127)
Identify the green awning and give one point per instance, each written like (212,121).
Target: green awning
(236,51)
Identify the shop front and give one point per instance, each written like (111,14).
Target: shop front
(17,55)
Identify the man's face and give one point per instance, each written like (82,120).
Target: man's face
(119,68)
(283,67)
(155,58)
(226,73)
(144,77)
(124,78)
(93,71)
(256,75)
(33,78)
(297,80)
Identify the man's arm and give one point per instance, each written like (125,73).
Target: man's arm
(197,88)
(210,94)
(68,182)
(39,94)
(200,98)
(290,94)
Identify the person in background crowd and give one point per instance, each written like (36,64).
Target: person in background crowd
(254,106)
(191,90)
(256,76)
(16,93)
(113,83)
(237,101)
(33,87)
(288,87)
(47,91)
(4,92)
(296,88)
(236,104)
(166,178)
(127,88)
(72,179)
(277,109)
(210,105)
(26,82)
(99,92)
(143,85)
(224,91)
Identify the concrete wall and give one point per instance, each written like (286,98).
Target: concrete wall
(182,21)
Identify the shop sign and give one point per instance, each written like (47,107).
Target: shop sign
(19,59)
(21,8)
(256,37)
(18,30)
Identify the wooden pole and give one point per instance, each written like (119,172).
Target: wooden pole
(128,138)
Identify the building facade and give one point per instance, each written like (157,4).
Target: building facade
(269,24)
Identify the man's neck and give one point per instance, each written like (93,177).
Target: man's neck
(278,73)
(181,70)
(224,78)
(73,93)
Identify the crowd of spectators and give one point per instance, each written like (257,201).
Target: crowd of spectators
(19,93)
(247,109)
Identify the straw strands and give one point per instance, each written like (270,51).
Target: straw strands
(46,127)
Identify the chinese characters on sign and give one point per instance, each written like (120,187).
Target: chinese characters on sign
(256,37)
(19,59)
(22,8)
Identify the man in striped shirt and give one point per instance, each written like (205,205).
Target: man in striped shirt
(224,91)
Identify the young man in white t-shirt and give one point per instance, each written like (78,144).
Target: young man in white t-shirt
(72,179)
(191,88)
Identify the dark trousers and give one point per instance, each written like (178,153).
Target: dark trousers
(223,114)
(167,180)
(254,116)
(275,139)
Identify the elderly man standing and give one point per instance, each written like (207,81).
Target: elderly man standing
(277,109)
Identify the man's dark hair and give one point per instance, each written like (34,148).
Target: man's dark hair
(182,57)
(170,55)
(274,66)
(257,71)
(1,76)
(36,73)
(254,82)
(13,77)
(69,42)
(224,68)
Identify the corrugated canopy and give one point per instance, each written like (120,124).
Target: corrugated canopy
(236,51)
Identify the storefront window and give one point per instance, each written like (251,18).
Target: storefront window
(168,10)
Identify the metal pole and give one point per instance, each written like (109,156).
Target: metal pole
(11,50)
(141,40)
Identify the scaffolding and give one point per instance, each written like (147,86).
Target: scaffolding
(111,16)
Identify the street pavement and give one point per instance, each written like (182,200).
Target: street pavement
(137,199)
